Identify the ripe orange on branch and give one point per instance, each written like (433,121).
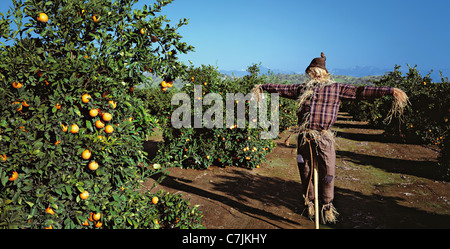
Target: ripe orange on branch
(97,216)
(24,103)
(65,127)
(86,154)
(113,104)
(50,210)
(84,195)
(107,116)
(18,103)
(96,18)
(85,98)
(13,177)
(93,165)
(42,17)
(17,85)
(109,129)
(93,112)
(99,124)
(74,128)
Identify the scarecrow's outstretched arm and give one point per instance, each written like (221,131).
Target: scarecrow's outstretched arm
(286,91)
(371,92)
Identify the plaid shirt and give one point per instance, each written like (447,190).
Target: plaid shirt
(324,103)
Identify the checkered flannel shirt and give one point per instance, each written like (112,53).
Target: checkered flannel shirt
(324,103)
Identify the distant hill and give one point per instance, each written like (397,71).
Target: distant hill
(355,71)
(357,75)
(358,72)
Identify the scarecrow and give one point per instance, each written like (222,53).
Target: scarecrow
(318,103)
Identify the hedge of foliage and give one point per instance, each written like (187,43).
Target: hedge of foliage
(426,120)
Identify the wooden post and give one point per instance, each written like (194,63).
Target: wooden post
(316,194)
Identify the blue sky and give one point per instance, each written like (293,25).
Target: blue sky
(287,34)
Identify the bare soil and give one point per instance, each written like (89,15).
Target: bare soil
(380,183)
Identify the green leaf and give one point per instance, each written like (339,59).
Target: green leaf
(89,125)
(77,111)
(68,190)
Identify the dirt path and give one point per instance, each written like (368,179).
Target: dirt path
(379,184)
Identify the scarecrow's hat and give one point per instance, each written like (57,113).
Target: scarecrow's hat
(318,62)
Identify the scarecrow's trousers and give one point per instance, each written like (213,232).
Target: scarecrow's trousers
(324,152)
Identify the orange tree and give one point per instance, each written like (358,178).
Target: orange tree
(426,120)
(71,130)
(227,146)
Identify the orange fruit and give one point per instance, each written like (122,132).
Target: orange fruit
(17,85)
(91,216)
(42,17)
(85,223)
(99,124)
(170,84)
(96,18)
(164,89)
(39,73)
(109,129)
(113,104)
(3,158)
(85,98)
(13,176)
(57,142)
(163,84)
(17,103)
(65,127)
(107,116)
(98,224)
(50,227)
(86,154)
(100,113)
(58,106)
(93,112)
(155,200)
(143,31)
(24,103)
(97,216)
(50,211)
(93,165)
(74,128)
(84,195)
